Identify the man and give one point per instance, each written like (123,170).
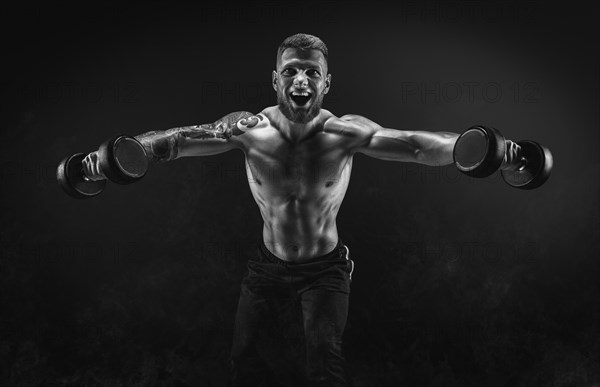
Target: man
(298,161)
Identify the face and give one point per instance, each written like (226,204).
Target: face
(301,81)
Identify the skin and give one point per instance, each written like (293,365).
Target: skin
(298,158)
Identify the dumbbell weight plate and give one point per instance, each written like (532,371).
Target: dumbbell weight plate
(72,180)
(479,151)
(535,171)
(123,159)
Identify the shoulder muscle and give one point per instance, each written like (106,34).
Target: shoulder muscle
(351,125)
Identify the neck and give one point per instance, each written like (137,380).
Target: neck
(296,131)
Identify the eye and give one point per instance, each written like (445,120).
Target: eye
(313,73)
(288,72)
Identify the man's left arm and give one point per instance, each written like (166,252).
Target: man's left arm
(423,147)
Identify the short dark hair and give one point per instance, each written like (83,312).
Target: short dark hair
(303,42)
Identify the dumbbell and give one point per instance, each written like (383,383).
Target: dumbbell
(480,151)
(122,160)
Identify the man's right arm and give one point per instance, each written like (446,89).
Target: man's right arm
(198,140)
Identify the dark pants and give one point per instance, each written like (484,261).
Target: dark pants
(290,321)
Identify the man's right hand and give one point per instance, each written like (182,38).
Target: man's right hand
(121,159)
(91,167)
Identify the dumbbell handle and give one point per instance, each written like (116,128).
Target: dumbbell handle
(513,157)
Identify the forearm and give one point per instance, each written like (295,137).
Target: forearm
(160,146)
(434,148)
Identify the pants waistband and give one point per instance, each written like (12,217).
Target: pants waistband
(337,253)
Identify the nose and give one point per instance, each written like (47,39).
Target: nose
(300,80)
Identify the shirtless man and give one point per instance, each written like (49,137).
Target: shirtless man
(298,161)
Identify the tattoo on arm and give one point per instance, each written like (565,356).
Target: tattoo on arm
(160,145)
(164,145)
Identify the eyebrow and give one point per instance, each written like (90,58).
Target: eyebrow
(303,64)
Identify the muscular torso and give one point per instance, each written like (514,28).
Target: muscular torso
(298,178)
(299,173)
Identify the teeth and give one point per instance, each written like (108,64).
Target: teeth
(301,94)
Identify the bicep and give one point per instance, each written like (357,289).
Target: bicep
(203,140)
(217,137)
(372,139)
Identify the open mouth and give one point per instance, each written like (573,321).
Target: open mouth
(300,98)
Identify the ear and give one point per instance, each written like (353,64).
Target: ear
(274,80)
(327,83)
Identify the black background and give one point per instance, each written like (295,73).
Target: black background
(458,281)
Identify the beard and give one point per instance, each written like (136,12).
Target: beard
(303,114)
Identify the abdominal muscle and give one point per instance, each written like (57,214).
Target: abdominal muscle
(300,215)
(297,230)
